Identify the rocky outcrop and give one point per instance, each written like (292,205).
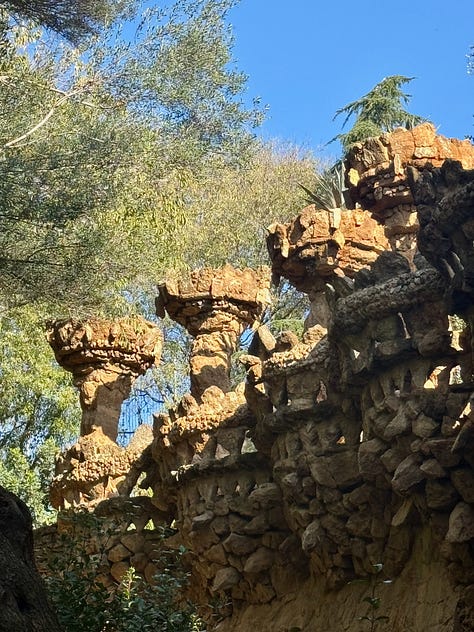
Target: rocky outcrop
(104,357)
(23,603)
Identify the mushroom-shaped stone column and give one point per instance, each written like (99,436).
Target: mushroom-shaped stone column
(215,306)
(105,357)
(324,246)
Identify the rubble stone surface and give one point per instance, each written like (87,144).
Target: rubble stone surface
(350,448)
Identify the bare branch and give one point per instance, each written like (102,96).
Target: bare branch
(45,119)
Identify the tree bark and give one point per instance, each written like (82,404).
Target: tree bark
(24,605)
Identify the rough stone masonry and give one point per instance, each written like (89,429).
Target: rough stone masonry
(351,447)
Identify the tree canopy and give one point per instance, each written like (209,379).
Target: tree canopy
(120,163)
(380,110)
(104,142)
(74,19)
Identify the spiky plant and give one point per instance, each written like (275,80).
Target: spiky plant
(329,190)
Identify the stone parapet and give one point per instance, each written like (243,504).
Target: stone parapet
(378,175)
(320,244)
(227,508)
(121,534)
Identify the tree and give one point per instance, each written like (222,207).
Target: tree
(96,148)
(378,111)
(74,19)
(84,602)
(113,173)
(231,206)
(470,70)
(24,601)
(39,409)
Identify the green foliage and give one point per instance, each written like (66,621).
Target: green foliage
(288,310)
(39,409)
(231,206)
(374,601)
(120,163)
(99,148)
(83,602)
(329,190)
(378,111)
(74,19)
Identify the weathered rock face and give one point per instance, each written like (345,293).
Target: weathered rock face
(377,174)
(215,306)
(104,357)
(23,603)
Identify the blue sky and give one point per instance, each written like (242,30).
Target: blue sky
(306,59)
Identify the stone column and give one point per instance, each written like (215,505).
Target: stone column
(105,358)
(324,246)
(215,306)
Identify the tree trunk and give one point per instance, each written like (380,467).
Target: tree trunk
(24,605)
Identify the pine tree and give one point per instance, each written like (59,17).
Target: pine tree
(380,110)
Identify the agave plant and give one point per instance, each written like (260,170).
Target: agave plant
(329,190)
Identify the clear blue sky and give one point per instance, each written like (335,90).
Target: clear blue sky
(307,58)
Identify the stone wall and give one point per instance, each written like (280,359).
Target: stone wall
(378,176)
(352,447)
(120,533)
(359,432)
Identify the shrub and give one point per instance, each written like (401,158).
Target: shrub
(84,603)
